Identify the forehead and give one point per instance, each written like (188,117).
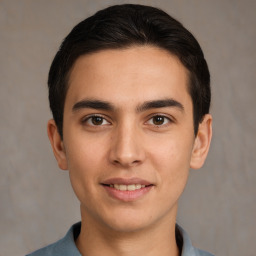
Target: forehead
(122,76)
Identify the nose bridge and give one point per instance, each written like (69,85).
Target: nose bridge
(126,149)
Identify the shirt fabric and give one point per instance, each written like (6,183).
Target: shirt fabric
(67,247)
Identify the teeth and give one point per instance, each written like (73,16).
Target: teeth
(131,187)
(122,187)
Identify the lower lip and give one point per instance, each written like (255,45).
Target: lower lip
(127,195)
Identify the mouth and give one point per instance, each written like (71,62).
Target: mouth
(127,189)
(124,187)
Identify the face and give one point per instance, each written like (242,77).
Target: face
(128,136)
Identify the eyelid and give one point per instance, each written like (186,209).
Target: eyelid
(86,118)
(168,117)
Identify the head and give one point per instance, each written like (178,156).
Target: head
(124,26)
(129,90)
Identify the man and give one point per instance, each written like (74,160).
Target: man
(129,90)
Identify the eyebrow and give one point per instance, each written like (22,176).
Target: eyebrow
(160,104)
(103,105)
(95,104)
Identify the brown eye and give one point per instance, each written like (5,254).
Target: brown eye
(158,120)
(97,120)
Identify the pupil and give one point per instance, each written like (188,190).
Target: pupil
(158,120)
(97,120)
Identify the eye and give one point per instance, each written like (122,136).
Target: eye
(159,120)
(95,120)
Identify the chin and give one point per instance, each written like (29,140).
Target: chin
(130,221)
(127,226)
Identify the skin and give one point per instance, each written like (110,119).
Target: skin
(130,139)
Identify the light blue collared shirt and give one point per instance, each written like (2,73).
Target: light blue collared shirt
(67,247)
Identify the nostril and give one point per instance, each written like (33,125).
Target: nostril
(126,162)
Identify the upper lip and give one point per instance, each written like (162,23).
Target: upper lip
(125,181)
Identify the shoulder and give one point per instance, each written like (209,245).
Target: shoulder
(64,247)
(202,253)
(187,248)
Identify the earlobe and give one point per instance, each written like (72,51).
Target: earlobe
(202,143)
(57,144)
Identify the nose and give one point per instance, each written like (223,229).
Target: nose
(126,146)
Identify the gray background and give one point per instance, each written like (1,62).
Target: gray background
(37,203)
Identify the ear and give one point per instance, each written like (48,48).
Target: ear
(202,143)
(57,144)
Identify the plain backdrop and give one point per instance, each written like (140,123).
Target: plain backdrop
(37,205)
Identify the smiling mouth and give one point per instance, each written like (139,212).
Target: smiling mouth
(130,187)
(127,190)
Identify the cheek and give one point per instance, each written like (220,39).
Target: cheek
(84,158)
(171,159)
(84,152)
(171,152)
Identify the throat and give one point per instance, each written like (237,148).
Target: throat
(117,243)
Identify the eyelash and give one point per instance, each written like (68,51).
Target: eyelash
(89,118)
(167,120)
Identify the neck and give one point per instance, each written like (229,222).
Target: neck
(95,239)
